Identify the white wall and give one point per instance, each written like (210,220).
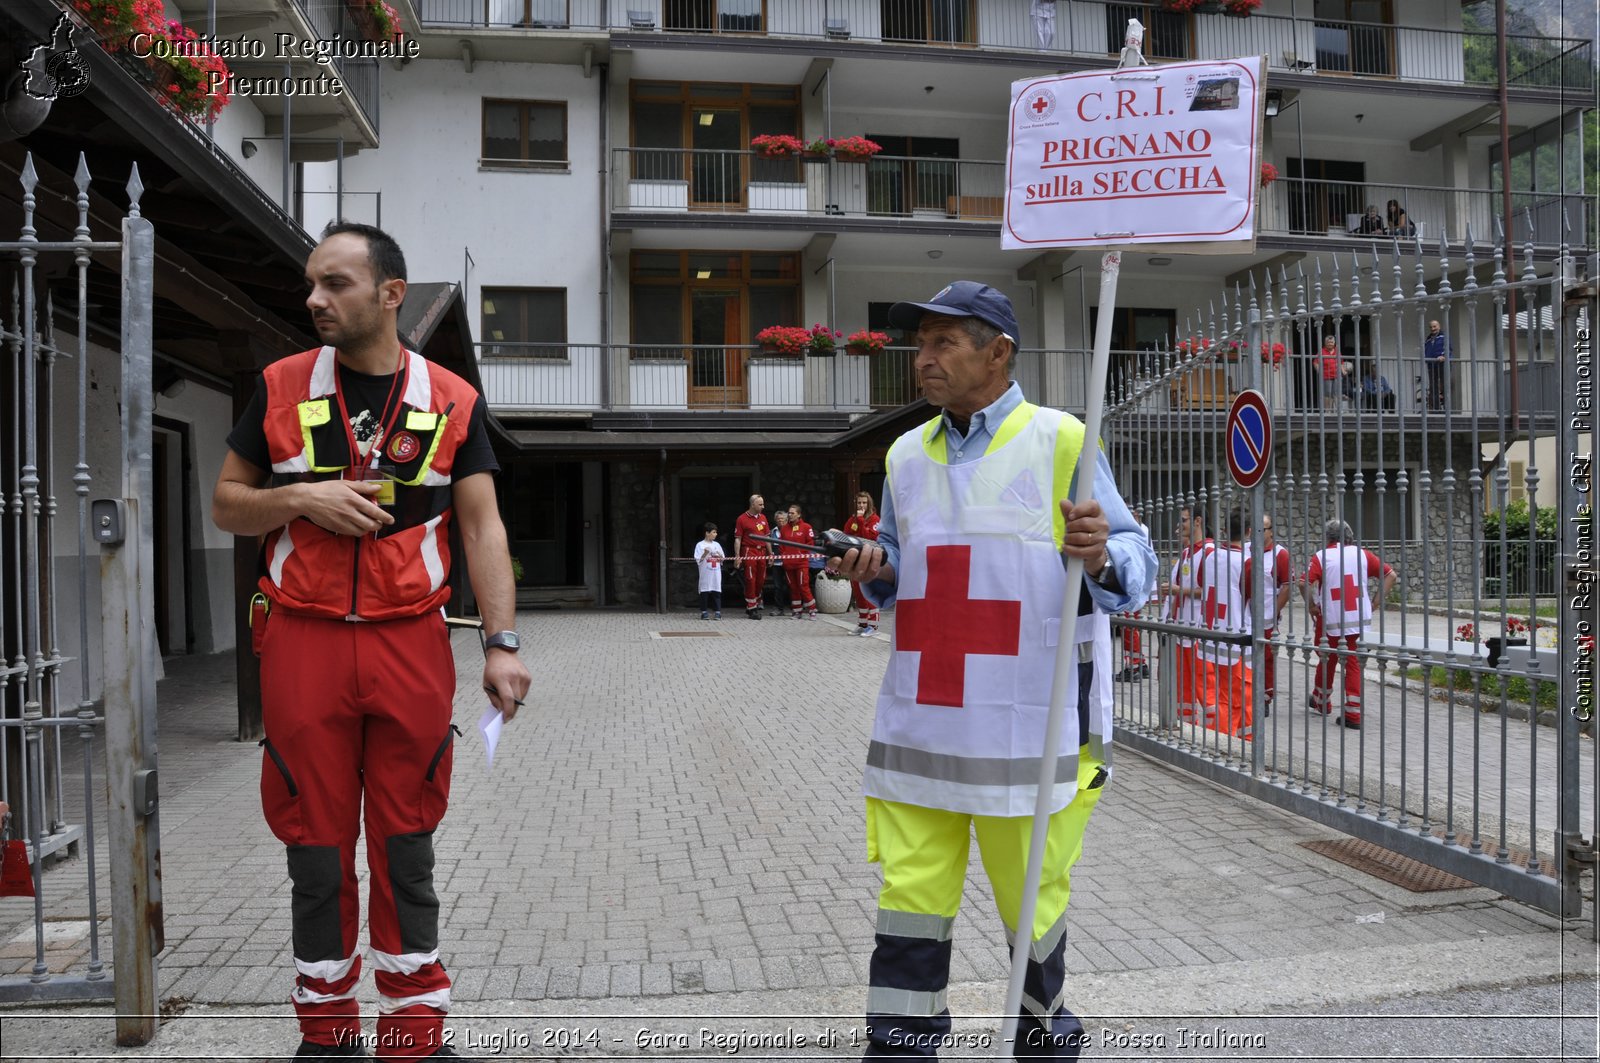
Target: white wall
(524,228)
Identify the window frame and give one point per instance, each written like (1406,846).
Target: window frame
(515,348)
(523,106)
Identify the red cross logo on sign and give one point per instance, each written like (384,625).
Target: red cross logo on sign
(945,626)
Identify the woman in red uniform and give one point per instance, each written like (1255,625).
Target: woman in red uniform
(797,564)
(864,525)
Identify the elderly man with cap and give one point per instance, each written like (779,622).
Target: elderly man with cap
(976,530)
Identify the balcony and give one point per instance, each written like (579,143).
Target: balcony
(523,378)
(1304,207)
(1088,29)
(691,181)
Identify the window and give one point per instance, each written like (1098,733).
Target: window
(706,307)
(1166,32)
(531,322)
(716,121)
(529,133)
(1325,193)
(929,21)
(1355,36)
(893,380)
(715,16)
(1380,519)
(910,175)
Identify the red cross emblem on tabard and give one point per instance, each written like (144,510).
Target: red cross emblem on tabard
(1215,610)
(945,626)
(1349,593)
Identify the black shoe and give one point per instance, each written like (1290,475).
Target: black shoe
(1352,722)
(446,1052)
(312,1050)
(1144,671)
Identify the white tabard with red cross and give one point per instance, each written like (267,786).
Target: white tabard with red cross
(1222,603)
(1346,608)
(962,711)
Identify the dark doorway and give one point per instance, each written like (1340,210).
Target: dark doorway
(1324,194)
(544,518)
(911,174)
(170,467)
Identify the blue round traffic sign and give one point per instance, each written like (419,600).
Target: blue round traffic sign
(1247,439)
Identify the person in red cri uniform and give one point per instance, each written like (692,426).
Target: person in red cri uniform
(1336,594)
(1137,666)
(1273,602)
(863,524)
(1196,678)
(797,565)
(352,461)
(751,558)
(1223,609)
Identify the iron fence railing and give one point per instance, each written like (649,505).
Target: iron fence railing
(526,377)
(1451,751)
(1292,42)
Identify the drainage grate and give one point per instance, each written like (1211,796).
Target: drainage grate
(686,634)
(1390,866)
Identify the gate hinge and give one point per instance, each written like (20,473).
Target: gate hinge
(1580,851)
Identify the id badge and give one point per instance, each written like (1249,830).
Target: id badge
(382,475)
(385,495)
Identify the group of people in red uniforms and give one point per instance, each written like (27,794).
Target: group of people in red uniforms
(1210,587)
(753,557)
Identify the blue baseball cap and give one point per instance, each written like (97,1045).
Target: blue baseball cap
(962,299)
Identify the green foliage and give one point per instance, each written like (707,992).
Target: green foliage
(1516,518)
(516,568)
(1517,688)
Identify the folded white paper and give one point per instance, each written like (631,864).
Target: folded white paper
(489,725)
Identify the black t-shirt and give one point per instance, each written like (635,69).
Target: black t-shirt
(364,397)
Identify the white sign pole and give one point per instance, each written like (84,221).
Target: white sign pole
(1066,647)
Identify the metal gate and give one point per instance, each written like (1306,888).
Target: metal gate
(63,561)
(1474,686)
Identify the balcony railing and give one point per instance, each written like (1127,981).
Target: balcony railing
(529,378)
(693,180)
(1336,208)
(1087,28)
(330,19)
(320,208)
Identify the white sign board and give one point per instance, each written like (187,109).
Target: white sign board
(1144,155)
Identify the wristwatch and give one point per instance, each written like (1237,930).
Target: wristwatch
(503,640)
(1107,576)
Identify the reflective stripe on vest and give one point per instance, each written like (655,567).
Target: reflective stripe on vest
(980,583)
(404,570)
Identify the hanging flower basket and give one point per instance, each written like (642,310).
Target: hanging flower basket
(788,340)
(823,341)
(1239,8)
(1193,346)
(1273,354)
(194,83)
(1184,7)
(866,342)
(1230,353)
(854,149)
(817,149)
(776,145)
(375,20)
(1269,174)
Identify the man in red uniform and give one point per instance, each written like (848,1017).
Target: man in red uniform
(1336,594)
(751,558)
(863,524)
(797,564)
(1273,602)
(352,461)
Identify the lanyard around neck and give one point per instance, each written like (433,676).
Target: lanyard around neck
(386,420)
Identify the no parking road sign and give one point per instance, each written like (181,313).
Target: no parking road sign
(1248,438)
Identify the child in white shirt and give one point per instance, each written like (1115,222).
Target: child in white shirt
(708,558)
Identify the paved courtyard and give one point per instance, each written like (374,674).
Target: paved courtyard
(673,828)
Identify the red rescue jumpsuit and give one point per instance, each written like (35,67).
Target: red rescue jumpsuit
(797,566)
(357,680)
(753,556)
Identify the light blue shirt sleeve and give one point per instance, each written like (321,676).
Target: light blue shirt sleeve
(1130,551)
(881,592)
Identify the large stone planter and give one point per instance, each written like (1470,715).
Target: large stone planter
(833,595)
